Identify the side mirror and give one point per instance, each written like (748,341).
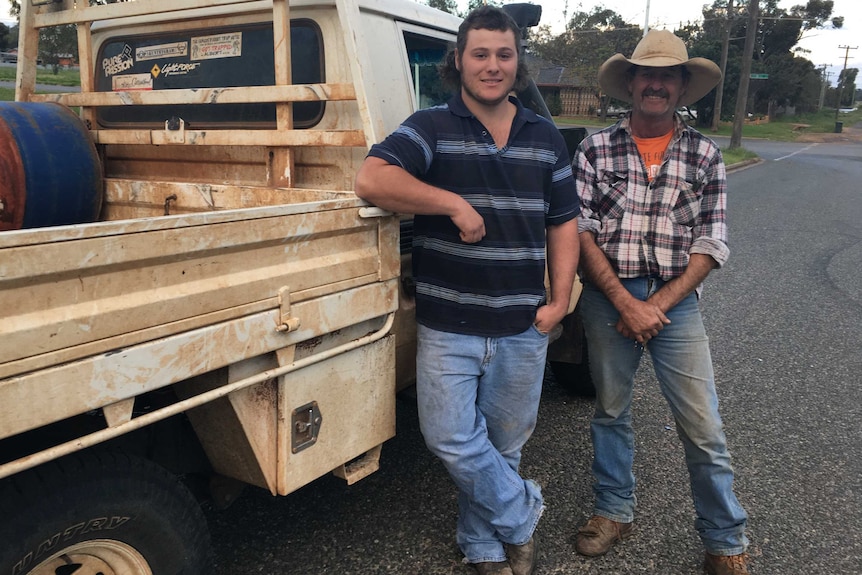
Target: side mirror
(524,14)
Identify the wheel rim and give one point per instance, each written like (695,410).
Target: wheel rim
(95,557)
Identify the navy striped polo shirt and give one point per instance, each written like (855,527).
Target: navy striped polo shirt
(490,288)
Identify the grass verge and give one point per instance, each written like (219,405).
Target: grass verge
(46,76)
(737,155)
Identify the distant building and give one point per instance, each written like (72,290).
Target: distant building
(577,97)
(66,61)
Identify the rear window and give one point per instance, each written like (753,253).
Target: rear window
(226,57)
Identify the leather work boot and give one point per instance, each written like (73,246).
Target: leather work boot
(599,534)
(493,568)
(523,558)
(726,565)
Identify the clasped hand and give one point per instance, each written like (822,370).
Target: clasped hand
(641,321)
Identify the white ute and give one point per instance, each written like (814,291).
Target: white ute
(189,287)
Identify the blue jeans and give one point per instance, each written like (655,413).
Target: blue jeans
(478,398)
(683,366)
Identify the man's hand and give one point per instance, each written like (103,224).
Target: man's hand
(641,320)
(471,224)
(548,316)
(392,188)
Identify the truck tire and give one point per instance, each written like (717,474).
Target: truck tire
(106,513)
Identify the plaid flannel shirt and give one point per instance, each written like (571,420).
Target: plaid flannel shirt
(649,229)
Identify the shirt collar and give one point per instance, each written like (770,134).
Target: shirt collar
(680,128)
(459,108)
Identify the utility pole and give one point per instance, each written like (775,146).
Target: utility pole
(745,75)
(838,84)
(719,90)
(646,19)
(824,77)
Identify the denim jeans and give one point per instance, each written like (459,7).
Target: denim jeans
(478,398)
(683,366)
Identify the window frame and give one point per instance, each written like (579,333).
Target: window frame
(405,28)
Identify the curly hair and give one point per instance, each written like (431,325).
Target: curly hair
(483,18)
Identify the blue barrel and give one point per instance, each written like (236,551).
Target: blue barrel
(50,173)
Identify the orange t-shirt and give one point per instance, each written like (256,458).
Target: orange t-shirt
(652,152)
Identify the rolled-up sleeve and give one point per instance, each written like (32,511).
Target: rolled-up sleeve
(585,183)
(710,235)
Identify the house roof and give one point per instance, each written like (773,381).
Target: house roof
(546,73)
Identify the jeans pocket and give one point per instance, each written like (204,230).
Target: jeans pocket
(537,332)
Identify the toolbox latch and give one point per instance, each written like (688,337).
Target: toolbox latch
(305,422)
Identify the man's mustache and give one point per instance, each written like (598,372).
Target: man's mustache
(658,93)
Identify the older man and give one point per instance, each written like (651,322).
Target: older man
(652,227)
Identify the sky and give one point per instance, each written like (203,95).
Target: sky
(671,14)
(824,45)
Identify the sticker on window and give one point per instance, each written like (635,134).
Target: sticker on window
(130,82)
(174,50)
(119,63)
(174,69)
(218,46)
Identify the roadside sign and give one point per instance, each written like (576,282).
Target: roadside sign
(759,76)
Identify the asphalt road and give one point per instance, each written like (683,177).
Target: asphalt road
(785,320)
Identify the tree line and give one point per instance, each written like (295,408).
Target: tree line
(794,84)
(55,43)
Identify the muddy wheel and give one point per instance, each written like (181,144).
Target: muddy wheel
(103,513)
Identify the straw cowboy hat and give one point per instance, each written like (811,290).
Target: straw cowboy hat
(659,49)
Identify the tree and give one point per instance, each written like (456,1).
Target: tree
(473,4)
(4,37)
(15,5)
(780,30)
(702,42)
(554,103)
(13,37)
(847,87)
(590,38)
(793,81)
(56,42)
(449,6)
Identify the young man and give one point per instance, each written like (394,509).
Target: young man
(488,181)
(653,203)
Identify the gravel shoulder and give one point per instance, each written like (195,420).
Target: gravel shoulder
(848,134)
